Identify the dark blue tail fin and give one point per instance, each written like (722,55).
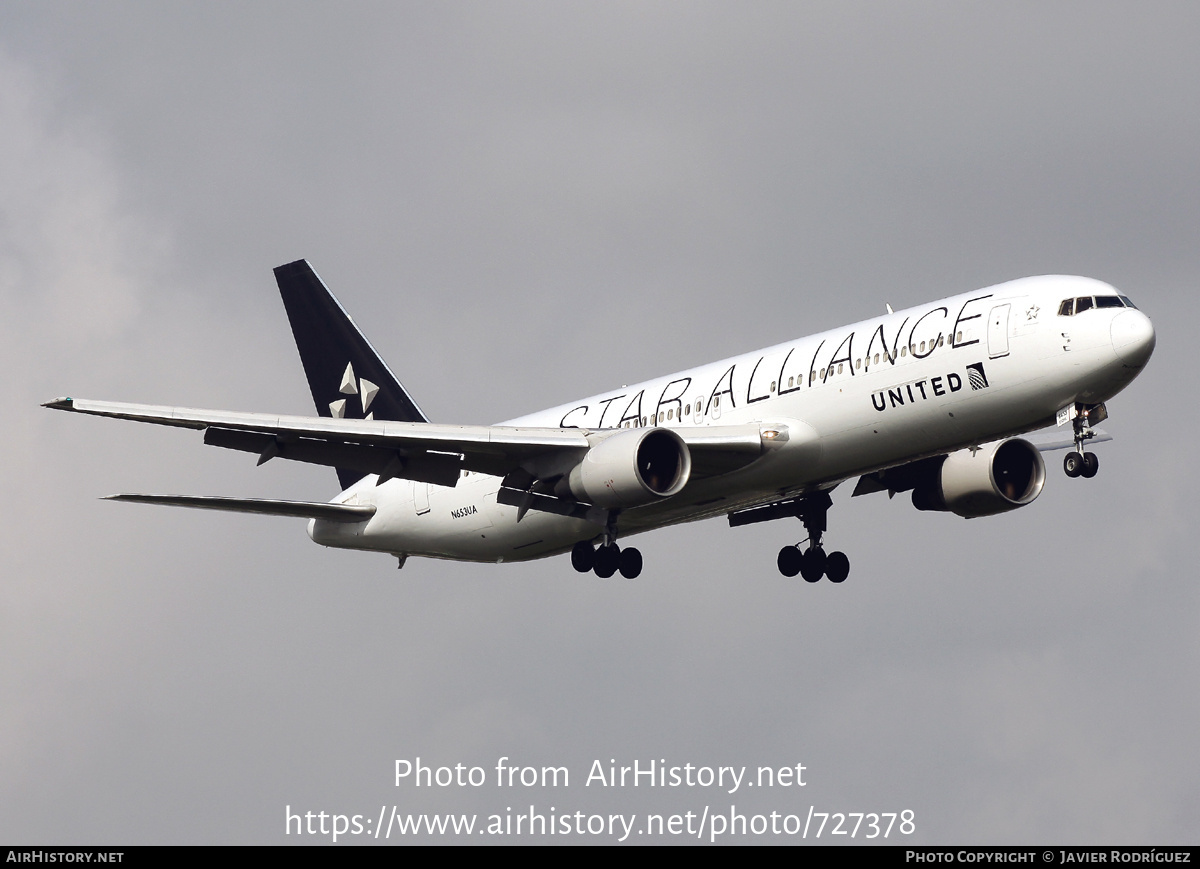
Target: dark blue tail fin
(345,374)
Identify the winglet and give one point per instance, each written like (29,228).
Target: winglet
(60,404)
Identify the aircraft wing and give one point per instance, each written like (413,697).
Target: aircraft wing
(1047,444)
(425,452)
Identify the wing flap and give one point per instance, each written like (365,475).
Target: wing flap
(441,469)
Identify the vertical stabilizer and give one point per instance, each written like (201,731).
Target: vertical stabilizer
(347,377)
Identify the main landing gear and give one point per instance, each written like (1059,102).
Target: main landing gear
(607,558)
(813,563)
(1078,463)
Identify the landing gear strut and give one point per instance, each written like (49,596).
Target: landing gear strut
(1079,463)
(813,562)
(607,558)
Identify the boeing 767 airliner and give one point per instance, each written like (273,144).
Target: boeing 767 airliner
(928,400)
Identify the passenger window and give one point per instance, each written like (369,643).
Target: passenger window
(790,382)
(687,411)
(876,358)
(772,385)
(671,413)
(839,368)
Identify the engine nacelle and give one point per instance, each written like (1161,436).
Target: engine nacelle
(631,468)
(995,478)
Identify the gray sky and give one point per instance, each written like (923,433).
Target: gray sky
(523,203)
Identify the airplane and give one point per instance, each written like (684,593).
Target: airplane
(930,400)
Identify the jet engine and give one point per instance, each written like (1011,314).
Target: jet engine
(631,468)
(993,478)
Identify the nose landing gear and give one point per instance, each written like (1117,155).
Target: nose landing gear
(1078,463)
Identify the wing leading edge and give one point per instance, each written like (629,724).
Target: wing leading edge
(425,452)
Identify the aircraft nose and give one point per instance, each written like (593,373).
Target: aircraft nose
(1133,337)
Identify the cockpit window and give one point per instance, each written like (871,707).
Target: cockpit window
(1079,304)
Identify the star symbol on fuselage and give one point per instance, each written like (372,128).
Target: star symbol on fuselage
(1032,313)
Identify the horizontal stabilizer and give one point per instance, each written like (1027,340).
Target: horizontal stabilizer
(266,507)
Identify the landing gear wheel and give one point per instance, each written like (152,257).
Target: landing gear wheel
(583,556)
(630,563)
(837,567)
(1080,463)
(813,565)
(608,558)
(789,561)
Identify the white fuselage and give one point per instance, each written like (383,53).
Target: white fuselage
(924,381)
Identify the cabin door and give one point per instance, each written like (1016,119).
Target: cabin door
(998,331)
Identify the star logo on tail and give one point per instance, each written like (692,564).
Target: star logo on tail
(360,386)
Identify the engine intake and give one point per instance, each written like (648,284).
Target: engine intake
(631,468)
(994,478)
